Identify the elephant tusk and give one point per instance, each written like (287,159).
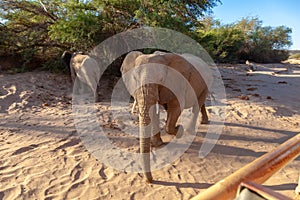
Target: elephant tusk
(133,107)
(157,107)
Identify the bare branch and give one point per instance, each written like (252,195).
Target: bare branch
(43,5)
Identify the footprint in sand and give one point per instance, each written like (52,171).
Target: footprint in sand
(72,142)
(25,149)
(106,173)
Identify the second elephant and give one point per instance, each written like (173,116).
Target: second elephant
(84,67)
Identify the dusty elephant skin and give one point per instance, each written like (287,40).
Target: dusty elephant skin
(84,67)
(147,96)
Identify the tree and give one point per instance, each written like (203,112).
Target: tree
(182,16)
(223,42)
(264,43)
(245,40)
(36,28)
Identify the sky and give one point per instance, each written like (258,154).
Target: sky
(270,12)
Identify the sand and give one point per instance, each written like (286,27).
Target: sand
(42,156)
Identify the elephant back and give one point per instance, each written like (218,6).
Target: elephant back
(191,74)
(201,67)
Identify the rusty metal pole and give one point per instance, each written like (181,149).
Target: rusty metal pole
(257,171)
(298,188)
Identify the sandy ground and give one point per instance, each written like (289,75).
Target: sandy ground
(42,156)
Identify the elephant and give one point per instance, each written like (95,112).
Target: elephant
(84,67)
(148,96)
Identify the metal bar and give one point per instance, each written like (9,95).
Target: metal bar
(297,191)
(257,171)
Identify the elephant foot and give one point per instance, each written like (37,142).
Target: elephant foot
(204,121)
(157,144)
(156,140)
(190,131)
(178,131)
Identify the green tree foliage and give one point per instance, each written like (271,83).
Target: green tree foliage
(177,15)
(25,31)
(295,56)
(42,29)
(223,42)
(83,24)
(25,25)
(264,43)
(244,40)
(46,27)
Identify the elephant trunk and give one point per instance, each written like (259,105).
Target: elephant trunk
(147,97)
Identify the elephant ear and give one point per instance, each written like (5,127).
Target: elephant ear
(175,62)
(128,64)
(201,66)
(66,58)
(165,94)
(129,61)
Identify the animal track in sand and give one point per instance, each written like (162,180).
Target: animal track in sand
(69,143)
(252,89)
(106,173)
(25,149)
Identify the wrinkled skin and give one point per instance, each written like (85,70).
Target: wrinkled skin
(147,96)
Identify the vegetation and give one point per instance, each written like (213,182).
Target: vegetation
(37,31)
(244,40)
(295,56)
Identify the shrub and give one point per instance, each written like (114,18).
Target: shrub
(245,40)
(295,56)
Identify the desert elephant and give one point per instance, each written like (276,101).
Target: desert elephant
(84,67)
(148,96)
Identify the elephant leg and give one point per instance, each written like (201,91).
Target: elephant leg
(192,124)
(201,103)
(145,154)
(156,140)
(198,106)
(196,109)
(173,114)
(73,74)
(96,92)
(204,119)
